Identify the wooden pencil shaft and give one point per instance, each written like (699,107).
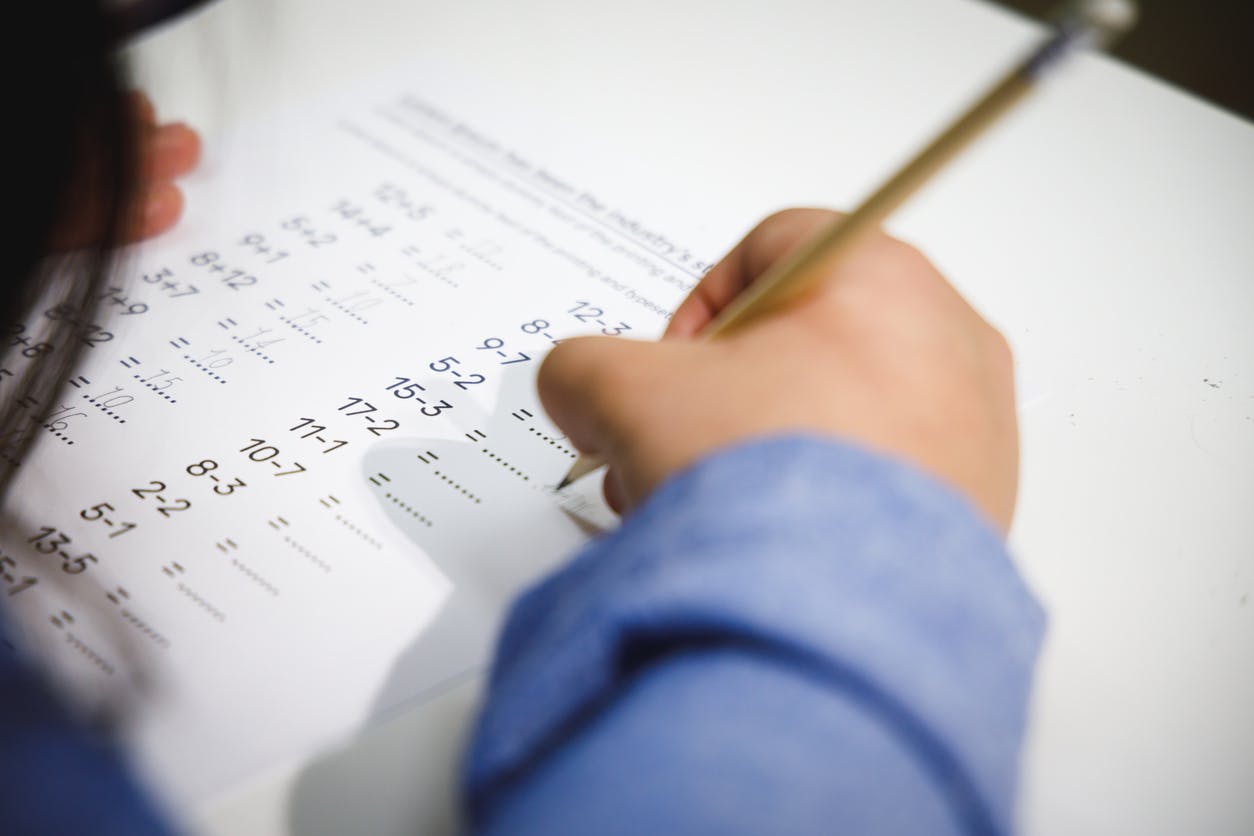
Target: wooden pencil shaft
(1085,22)
(806,267)
(1079,24)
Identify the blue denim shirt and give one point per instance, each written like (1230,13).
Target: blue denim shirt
(794,636)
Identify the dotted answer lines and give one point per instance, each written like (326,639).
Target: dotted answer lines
(363,535)
(140,625)
(260,581)
(506,465)
(59,434)
(455,486)
(299,330)
(438,275)
(402,297)
(409,510)
(217,614)
(313,558)
(105,410)
(204,369)
(81,646)
(481,258)
(345,310)
(253,350)
(552,442)
(154,389)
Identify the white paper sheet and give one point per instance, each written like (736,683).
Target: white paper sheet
(304,453)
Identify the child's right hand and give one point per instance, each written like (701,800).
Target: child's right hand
(884,353)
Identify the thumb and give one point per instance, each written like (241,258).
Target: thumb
(646,407)
(592,386)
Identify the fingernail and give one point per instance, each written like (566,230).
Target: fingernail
(176,135)
(172,151)
(163,203)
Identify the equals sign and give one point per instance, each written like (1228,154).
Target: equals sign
(410,250)
(64,619)
(365,268)
(79,382)
(227,323)
(172,568)
(427,459)
(478,434)
(321,285)
(129,361)
(121,593)
(328,504)
(28,402)
(382,476)
(274,303)
(277,522)
(223,547)
(180,342)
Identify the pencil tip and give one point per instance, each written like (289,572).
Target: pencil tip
(566,480)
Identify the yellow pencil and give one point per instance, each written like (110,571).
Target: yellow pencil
(1082,24)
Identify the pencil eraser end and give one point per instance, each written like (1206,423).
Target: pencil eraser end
(1111,17)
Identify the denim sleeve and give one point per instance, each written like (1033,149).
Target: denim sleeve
(58,778)
(793,636)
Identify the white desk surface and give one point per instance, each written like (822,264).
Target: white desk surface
(1106,228)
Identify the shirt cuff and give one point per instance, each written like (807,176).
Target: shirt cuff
(847,564)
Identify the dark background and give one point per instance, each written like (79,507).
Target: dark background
(1204,46)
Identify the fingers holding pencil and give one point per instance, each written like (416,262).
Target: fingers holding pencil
(590,365)
(882,353)
(773,238)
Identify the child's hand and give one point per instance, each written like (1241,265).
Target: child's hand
(885,354)
(164,153)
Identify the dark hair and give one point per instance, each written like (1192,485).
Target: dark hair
(75,155)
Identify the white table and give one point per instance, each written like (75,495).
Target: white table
(1106,228)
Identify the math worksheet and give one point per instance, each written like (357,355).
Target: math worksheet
(302,469)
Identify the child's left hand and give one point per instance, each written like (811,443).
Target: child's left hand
(164,153)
